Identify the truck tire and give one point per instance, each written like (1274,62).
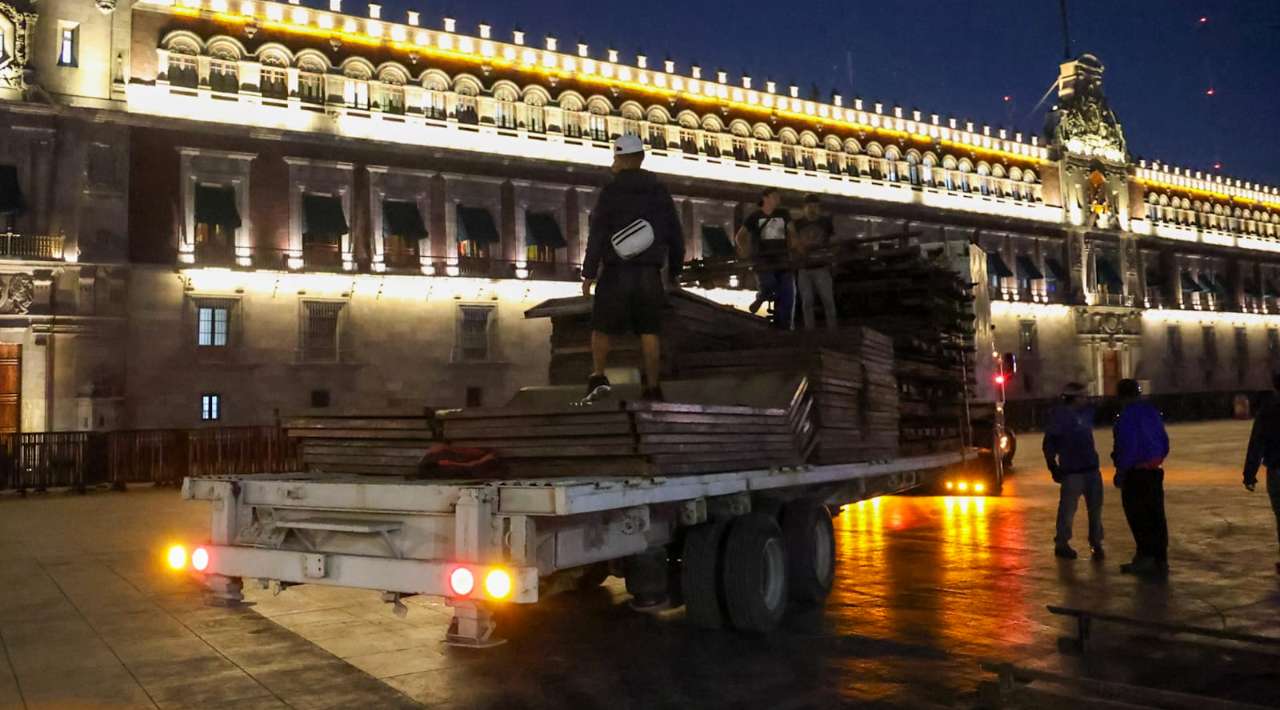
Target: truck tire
(701,573)
(811,551)
(755,574)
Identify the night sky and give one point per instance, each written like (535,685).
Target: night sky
(958,58)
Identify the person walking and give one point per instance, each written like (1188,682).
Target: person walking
(1141,446)
(1072,458)
(1264,450)
(810,248)
(764,237)
(634,231)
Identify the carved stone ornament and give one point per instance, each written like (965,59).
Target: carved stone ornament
(106,7)
(13,65)
(17,293)
(1108,323)
(1084,123)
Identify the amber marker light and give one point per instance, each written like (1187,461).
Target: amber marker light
(497,584)
(176,557)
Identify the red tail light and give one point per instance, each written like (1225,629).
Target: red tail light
(461,581)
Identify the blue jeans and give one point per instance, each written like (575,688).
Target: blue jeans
(779,287)
(1073,486)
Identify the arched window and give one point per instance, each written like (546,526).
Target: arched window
(535,102)
(504,106)
(273,80)
(311,87)
(464,109)
(355,86)
(597,120)
(433,102)
(182,63)
(913,167)
(224,67)
(891,157)
(390,97)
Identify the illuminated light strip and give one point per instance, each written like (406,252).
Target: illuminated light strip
(1210,317)
(1039,154)
(1208,193)
(157,100)
(1216,238)
(1023,308)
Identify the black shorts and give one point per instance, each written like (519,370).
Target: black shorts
(629,299)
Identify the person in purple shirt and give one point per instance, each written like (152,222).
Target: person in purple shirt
(1141,445)
(1072,458)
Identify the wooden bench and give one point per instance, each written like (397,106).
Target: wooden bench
(372,445)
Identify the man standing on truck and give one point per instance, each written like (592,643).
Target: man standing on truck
(1141,445)
(1073,462)
(764,237)
(811,249)
(1264,450)
(634,231)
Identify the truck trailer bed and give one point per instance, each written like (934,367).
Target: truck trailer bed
(406,537)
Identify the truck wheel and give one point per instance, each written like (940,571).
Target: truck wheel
(811,551)
(755,574)
(701,573)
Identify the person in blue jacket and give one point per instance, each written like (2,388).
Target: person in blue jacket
(1073,462)
(1141,445)
(1264,450)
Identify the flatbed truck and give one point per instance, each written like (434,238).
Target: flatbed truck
(736,548)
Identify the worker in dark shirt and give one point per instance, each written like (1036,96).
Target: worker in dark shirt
(1141,445)
(764,238)
(1264,450)
(811,250)
(634,231)
(1072,458)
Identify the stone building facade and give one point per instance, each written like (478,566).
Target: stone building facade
(223,211)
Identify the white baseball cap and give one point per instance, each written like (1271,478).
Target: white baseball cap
(627,144)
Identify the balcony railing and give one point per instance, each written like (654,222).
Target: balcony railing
(328,259)
(26,246)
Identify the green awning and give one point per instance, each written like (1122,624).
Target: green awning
(11,201)
(217,205)
(1055,268)
(475,224)
(541,229)
(402,219)
(996,266)
(1108,275)
(322,217)
(716,242)
(1027,268)
(1189,284)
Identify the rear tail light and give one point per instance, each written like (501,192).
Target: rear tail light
(461,581)
(492,582)
(176,557)
(200,559)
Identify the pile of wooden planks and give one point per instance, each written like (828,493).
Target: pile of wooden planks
(851,378)
(709,424)
(383,445)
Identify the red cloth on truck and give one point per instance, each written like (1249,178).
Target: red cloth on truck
(444,461)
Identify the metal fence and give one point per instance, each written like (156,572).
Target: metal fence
(79,459)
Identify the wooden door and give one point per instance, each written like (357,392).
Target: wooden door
(1110,371)
(10,388)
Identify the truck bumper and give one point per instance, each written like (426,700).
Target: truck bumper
(392,575)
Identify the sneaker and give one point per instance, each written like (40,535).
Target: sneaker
(1099,553)
(755,305)
(652,394)
(1065,552)
(597,386)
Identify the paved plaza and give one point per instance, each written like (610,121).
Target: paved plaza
(928,588)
